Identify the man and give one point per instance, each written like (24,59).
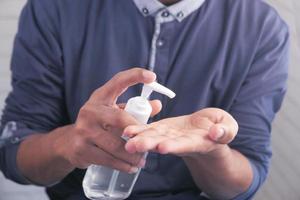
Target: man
(73,60)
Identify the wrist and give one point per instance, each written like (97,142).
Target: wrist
(59,147)
(221,152)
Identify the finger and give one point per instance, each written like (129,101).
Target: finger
(156,106)
(225,126)
(133,130)
(186,144)
(111,118)
(160,127)
(115,145)
(217,133)
(225,130)
(110,91)
(99,157)
(221,134)
(147,141)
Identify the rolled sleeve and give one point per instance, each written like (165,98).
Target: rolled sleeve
(9,165)
(254,185)
(36,102)
(13,134)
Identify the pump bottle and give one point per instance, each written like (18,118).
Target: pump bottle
(104,183)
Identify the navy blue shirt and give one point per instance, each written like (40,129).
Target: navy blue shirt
(230,54)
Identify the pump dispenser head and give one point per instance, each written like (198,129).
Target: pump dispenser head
(139,107)
(154,86)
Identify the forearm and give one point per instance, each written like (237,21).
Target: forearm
(224,175)
(38,158)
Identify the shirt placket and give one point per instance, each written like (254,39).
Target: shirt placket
(158,62)
(160,45)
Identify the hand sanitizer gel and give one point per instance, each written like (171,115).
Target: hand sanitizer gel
(104,183)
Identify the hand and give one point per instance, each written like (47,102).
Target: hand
(203,132)
(95,138)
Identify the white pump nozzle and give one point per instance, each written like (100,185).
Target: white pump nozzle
(154,86)
(139,106)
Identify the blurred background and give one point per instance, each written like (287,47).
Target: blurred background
(284,179)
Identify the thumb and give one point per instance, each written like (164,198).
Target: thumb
(221,134)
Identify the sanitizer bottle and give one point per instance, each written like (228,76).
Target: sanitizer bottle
(103,183)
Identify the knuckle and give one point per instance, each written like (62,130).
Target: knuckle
(137,70)
(107,127)
(142,74)
(73,161)
(88,116)
(78,146)
(118,75)
(81,133)
(96,92)
(81,139)
(86,112)
(80,127)
(100,95)
(142,145)
(82,165)
(121,118)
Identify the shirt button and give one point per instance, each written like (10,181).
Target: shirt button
(165,14)
(160,43)
(15,140)
(145,11)
(180,14)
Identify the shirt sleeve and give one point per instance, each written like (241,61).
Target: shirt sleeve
(260,97)
(36,102)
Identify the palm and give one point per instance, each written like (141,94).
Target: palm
(179,135)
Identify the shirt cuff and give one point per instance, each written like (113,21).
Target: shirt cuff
(14,133)
(253,187)
(11,170)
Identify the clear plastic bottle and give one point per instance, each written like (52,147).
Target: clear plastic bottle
(104,183)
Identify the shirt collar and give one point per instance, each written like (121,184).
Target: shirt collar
(179,10)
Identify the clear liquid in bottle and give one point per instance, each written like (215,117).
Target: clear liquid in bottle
(103,183)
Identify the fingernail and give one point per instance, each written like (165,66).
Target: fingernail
(142,163)
(220,133)
(133,170)
(125,137)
